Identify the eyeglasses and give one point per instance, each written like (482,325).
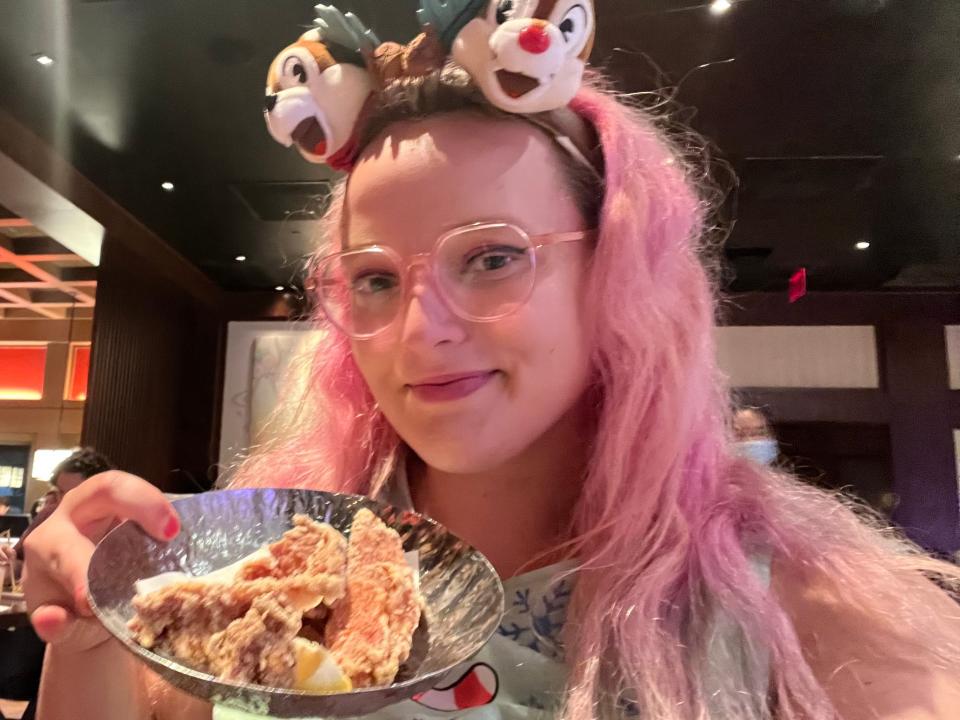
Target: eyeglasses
(482,272)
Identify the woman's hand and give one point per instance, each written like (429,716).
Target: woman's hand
(58,552)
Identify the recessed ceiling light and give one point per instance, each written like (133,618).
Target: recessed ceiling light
(279,288)
(862,245)
(719,7)
(43,59)
(240,258)
(167,185)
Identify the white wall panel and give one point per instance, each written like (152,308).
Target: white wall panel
(798,356)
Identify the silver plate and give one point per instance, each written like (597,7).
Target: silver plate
(464,597)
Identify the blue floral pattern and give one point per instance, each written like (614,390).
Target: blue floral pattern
(536,614)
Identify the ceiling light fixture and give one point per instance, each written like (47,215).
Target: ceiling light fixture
(240,258)
(43,59)
(279,288)
(167,186)
(862,245)
(719,7)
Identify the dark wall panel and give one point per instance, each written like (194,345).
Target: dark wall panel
(154,375)
(914,399)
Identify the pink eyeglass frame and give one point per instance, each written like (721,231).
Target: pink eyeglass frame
(427,259)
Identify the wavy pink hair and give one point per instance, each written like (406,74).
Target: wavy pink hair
(669,517)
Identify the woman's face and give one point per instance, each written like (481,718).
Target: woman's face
(470,396)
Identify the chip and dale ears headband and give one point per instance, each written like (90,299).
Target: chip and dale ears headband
(526,56)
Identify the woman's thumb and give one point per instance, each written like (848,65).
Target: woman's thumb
(52,622)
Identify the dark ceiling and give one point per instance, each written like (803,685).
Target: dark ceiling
(840,117)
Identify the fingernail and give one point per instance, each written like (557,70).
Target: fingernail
(172,527)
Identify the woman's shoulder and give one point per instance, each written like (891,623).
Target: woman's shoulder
(864,661)
(815,601)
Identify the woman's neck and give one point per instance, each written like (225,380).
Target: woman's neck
(517,513)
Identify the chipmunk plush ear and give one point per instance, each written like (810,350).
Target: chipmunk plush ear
(318,86)
(528,56)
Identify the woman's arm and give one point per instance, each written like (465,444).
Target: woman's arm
(866,675)
(169,703)
(89,675)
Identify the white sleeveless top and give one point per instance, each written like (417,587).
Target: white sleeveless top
(520,674)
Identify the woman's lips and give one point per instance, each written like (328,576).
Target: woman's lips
(450,387)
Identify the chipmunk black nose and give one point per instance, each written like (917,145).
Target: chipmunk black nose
(270,102)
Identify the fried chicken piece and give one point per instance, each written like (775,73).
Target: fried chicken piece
(304,569)
(372,542)
(199,608)
(363,592)
(370,631)
(258,648)
(193,605)
(308,548)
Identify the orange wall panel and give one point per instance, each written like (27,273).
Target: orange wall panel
(21,371)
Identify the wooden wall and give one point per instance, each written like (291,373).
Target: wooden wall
(154,376)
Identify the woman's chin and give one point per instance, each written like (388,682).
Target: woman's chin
(460,457)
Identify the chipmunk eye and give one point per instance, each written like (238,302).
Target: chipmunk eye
(293,67)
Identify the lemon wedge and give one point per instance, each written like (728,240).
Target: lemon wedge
(316,670)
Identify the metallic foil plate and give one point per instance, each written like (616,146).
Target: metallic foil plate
(464,597)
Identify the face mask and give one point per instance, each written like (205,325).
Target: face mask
(763,451)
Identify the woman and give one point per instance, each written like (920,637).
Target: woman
(581,424)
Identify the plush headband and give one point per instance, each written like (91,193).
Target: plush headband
(526,56)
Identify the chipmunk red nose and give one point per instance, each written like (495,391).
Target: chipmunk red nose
(534,39)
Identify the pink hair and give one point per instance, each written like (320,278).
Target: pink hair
(669,516)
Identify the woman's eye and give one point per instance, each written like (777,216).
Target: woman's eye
(494,262)
(374,283)
(498,261)
(504,11)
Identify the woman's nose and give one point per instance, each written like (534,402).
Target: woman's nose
(428,319)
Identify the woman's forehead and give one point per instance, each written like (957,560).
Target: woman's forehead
(472,145)
(424,177)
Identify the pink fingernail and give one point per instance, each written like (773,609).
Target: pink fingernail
(172,527)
